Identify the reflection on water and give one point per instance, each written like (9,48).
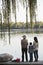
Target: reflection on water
(15,44)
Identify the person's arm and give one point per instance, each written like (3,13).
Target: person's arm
(37,45)
(21,42)
(33,44)
(27,42)
(29,49)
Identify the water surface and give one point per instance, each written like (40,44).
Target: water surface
(15,44)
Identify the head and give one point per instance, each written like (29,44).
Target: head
(35,38)
(30,43)
(24,36)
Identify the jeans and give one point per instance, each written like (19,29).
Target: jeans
(24,50)
(36,55)
(31,57)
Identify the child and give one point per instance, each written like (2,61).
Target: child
(31,52)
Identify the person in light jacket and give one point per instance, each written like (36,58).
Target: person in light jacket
(24,44)
(35,46)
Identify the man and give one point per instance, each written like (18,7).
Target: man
(24,44)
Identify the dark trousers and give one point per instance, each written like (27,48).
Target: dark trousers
(24,50)
(31,57)
(36,55)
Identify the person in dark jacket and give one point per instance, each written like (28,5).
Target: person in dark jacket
(24,44)
(31,52)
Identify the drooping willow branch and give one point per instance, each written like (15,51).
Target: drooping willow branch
(32,8)
(6,14)
(14,8)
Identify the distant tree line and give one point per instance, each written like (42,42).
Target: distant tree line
(21,25)
(6,9)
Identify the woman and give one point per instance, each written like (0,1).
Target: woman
(35,46)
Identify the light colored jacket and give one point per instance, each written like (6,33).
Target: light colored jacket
(35,46)
(24,43)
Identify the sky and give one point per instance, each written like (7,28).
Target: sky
(40,10)
(21,15)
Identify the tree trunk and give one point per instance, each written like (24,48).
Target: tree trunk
(8,18)
(4,13)
(32,8)
(14,9)
(1,23)
(26,14)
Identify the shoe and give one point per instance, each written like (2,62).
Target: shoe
(36,61)
(30,61)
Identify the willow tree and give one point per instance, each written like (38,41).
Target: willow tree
(14,9)
(32,8)
(6,14)
(24,3)
(4,10)
(1,23)
(26,13)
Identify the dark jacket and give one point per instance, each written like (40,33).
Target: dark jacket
(31,49)
(24,43)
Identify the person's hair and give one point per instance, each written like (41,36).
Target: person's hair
(24,36)
(30,43)
(36,40)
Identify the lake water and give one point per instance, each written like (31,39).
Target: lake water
(15,44)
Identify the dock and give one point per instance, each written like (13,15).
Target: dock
(22,63)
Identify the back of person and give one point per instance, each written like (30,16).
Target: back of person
(31,52)
(24,43)
(31,49)
(35,45)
